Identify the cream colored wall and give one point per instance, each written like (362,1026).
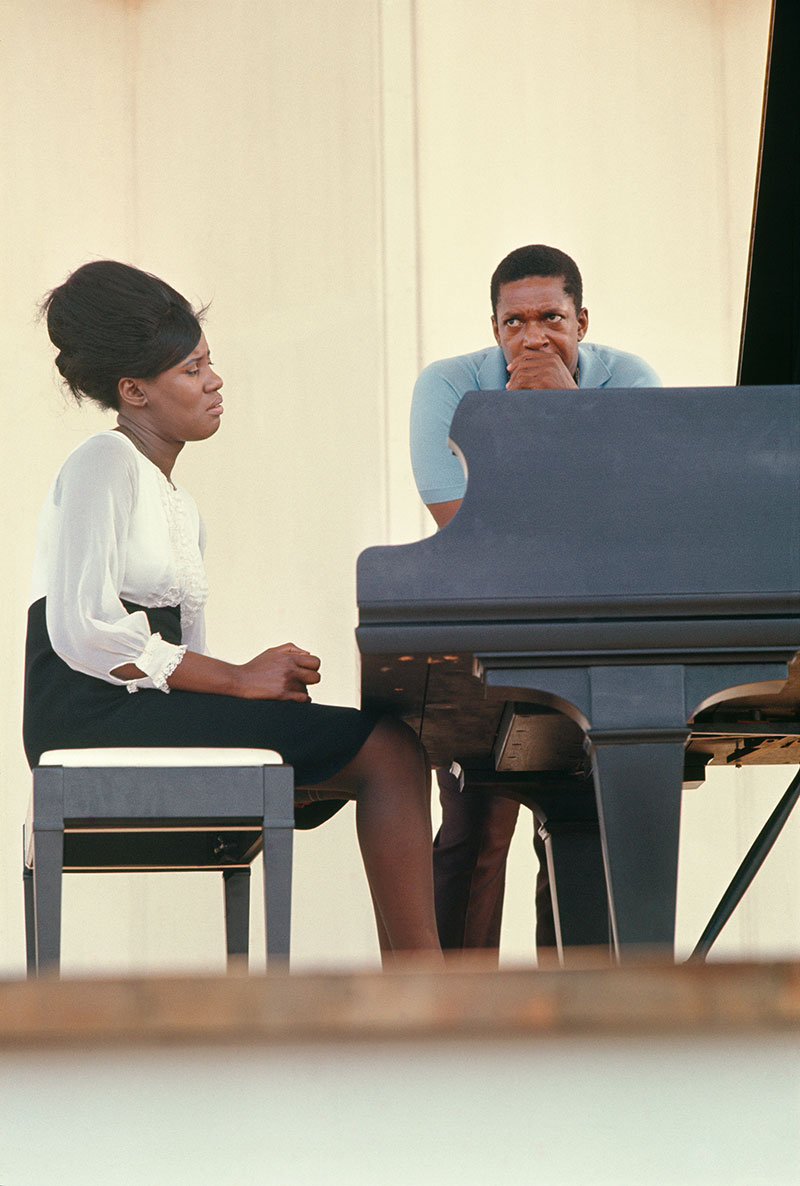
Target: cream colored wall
(618,136)
(339,179)
(244,167)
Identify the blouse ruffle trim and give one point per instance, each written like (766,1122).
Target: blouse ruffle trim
(158,660)
(190,589)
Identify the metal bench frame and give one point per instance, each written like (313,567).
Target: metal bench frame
(114,818)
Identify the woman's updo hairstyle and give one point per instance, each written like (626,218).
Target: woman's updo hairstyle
(110,321)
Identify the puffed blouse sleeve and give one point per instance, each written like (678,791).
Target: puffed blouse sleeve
(91,506)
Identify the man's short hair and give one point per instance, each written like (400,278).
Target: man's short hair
(538,260)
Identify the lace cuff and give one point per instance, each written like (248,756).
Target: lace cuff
(158,660)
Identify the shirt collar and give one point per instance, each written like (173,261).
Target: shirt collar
(593,371)
(492,373)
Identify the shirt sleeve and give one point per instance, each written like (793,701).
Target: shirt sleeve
(89,627)
(438,472)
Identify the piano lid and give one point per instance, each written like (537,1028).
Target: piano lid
(770,343)
(609,503)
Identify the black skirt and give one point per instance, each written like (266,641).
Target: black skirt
(65,709)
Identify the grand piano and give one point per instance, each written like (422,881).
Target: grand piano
(617,602)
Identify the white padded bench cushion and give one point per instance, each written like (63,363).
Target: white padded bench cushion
(157,756)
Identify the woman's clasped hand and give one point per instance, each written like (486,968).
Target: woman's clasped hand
(280,673)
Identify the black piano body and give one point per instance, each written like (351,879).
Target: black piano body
(616,603)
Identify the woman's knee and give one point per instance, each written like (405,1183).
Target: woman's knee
(398,742)
(391,754)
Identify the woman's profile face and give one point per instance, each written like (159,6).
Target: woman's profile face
(184,403)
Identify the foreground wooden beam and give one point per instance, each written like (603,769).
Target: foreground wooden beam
(466,1000)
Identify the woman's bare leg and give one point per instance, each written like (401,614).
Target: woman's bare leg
(390,780)
(384,941)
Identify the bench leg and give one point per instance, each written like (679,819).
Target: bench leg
(48,860)
(237,915)
(278,891)
(30,921)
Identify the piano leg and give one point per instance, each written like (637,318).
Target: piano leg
(637,739)
(565,813)
(636,721)
(565,809)
(638,788)
(577,886)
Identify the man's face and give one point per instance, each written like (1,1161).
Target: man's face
(536,314)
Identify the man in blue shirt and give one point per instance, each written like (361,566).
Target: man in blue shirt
(539,325)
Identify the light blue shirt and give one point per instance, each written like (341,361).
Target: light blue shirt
(439,390)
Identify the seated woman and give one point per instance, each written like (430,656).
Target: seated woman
(119,589)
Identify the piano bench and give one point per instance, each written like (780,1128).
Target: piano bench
(144,809)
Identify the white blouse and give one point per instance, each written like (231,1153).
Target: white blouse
(113,527)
